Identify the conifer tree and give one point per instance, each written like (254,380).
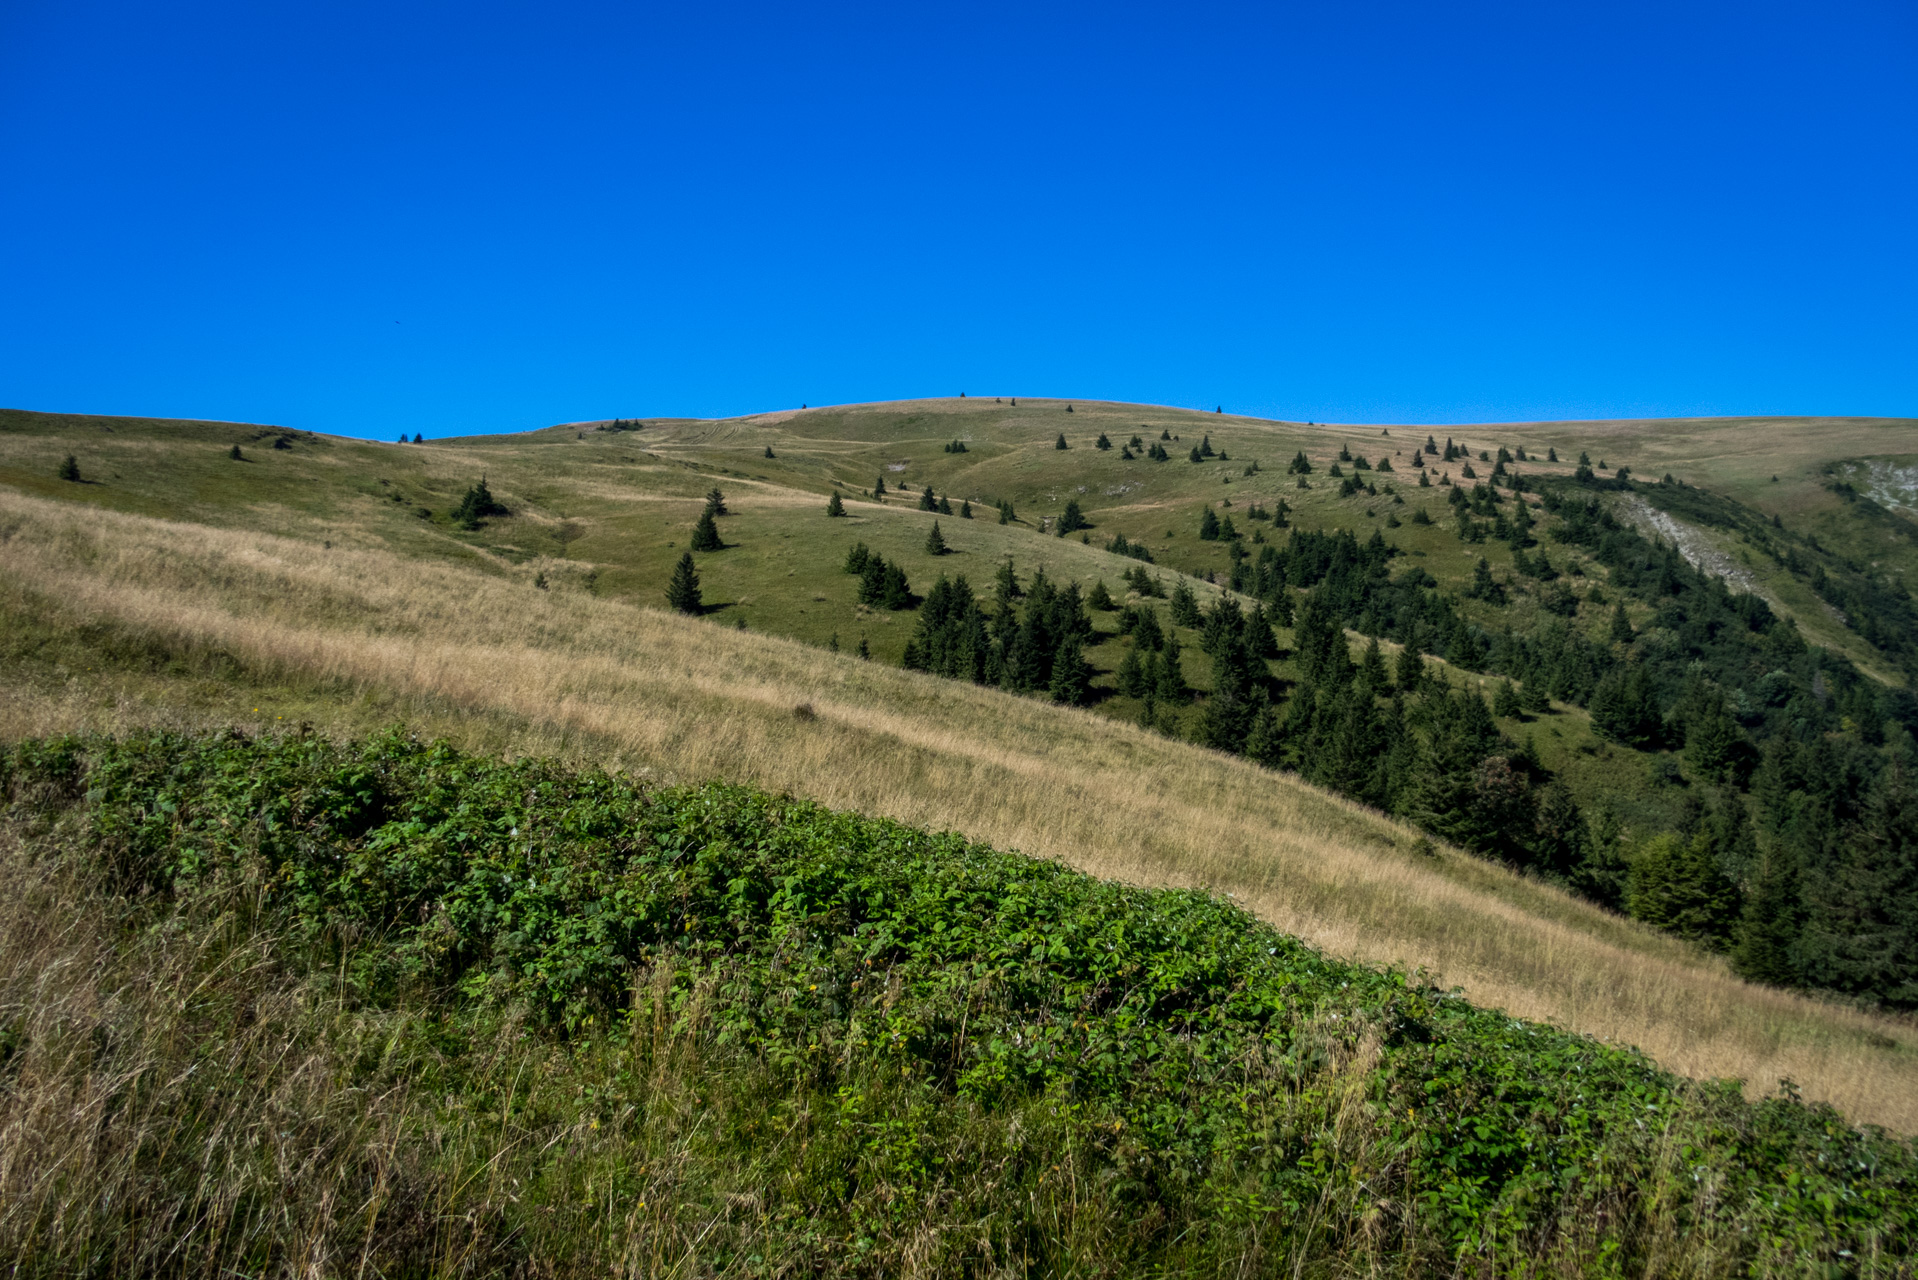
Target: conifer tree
(715,501)
(1771,922)
(235,454)
(1099,598)
(834,507)
(682,593)
(706,533)
(1169,668)
(879,488)
(1073,519)
(935,544)
(1071,674)
(864,652)
(926,501)
(1505,701)
(1676,884)
(1102,443)
(70,469)
(1185,605)
(1194,455)
(965,510)
(1208,526)
(1265,743)
(1060,443)
(1409,673)
(1622,632)
(1372,667)
(945,507)
(769,451)
(856,558)
(1166,434)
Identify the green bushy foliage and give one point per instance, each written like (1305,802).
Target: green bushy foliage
(910,1009)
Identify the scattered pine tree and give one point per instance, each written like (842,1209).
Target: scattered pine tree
(936,544)
(682,593)
(834,507)
(70,469)
(706,533)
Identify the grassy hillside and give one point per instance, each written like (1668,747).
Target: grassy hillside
(114,621)
(277,1004)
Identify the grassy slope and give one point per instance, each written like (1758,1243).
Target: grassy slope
(558,1024)
(185,623)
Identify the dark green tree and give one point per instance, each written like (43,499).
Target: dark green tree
(716,501)
(1073,519)
(1505,701)
(965,510)
(1131,676)
(1100,598)
(1060,443)
(235,454)
(706,533)
(769,451)
(682,593)
(1208,526)
(834,507)
(70,469)
(935,544)
(1102,442)
(1071,681)
(1409,673)
(1622,632)
(1676,884)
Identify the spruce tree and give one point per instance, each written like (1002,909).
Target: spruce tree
(1060,443)
(1102,442)
(935,544)
(926,501)
(1131,674)
(1208,526)
(1099,598)
(1676,884)
(945,507)
(706,533)
(834,507)
(1071,681)
(682,593)
(70,469)
(1622,632)
(1771,922)
(1170,670)
(1265,743)
(1409,672)
(965,510)
(1505,701)
(864,652)
(879,488)
(715,501)
(769,451)
(235,454)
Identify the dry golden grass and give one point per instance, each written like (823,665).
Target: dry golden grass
(680,699)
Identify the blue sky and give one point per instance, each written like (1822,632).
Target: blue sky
(451,218)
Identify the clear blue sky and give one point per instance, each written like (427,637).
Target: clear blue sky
(450,218)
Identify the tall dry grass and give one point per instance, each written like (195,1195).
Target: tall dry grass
(681,699)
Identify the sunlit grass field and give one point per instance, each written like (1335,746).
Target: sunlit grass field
(117,618)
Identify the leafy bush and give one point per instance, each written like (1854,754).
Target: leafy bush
(1207,1093)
